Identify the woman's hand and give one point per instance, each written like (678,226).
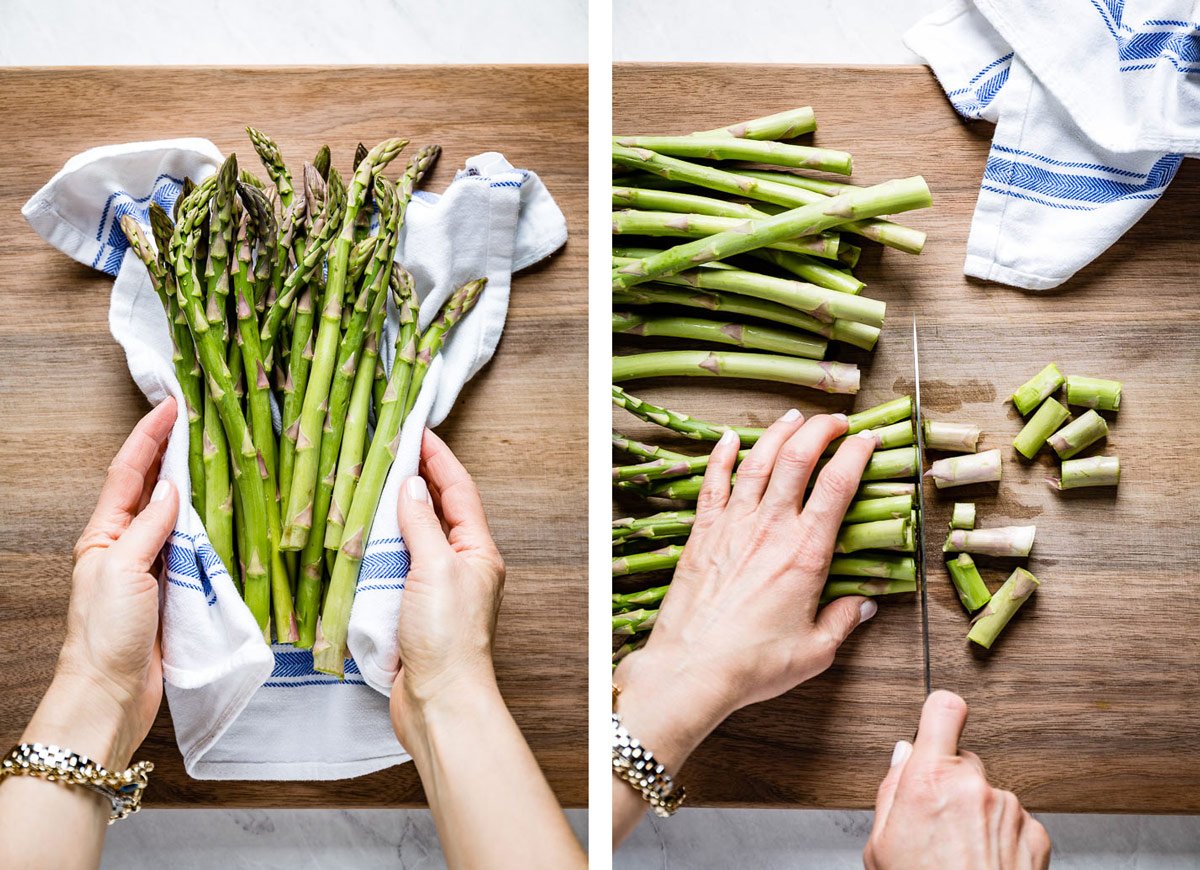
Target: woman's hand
(108,683)
(453,589)
(741,622)
(935,808)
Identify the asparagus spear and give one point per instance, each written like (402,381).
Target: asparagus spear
(878,509)
(329,652)
(954,437)
(642,449)
(1092,471)
(782,125)
(1039,387)
(641,563)
(888,464)
(1094,393)
(970,468)
(829,377)
(963,516)
(885,489)
(633,622)
(899,434)
(814,185)
(272,159)
(894,235)
(1016,590)
(325,354)
(841,588)
(1078,435)
(877,535)
(1039,427)
(1007,541)
(662,525)
(659,224)
(889,566)
(813,271)
(642,598)
(721,332)
(649,199)
(657,469)
(972,591)
(723,147)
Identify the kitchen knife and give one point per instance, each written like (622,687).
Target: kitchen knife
(920,532)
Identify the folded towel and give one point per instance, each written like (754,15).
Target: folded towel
(242,709)
(1095,102)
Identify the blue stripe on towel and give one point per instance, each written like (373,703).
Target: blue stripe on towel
(164,191)
(971,100)
(1152,40)
(190,562)
(1075,187)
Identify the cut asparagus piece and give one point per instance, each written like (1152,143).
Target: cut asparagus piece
(1094,393)
(951,437)
(641,563)
(1008,599)
(885,489)
(721,332)
(970,468)
(899,434)
(1039,427)
(782,125)
(1078,435)
(963,515)
(889,464)
(1091,471)
(643,598)
(878,535)
(1039,387)
(828,377)
(972,591)
(627,624)
(720,147)
(1005,541)
(875,509)
(889,566)
(871,588)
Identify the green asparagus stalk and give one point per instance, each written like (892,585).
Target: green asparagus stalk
(723,147)
(643,450)
(909,544)
(1031,393)
(657,469)
(1094,393)
(660,525)
(664,224)
(626,648)
(272,160)
(856,217)
(972,591)
(649,199)
(813,271)
(899,434)
(828,377)
(721,332)
(1091,471)
(633,622)
(963,515)
(1016,590)
(952,437)
(1006,541)
(218,505)
(644,598)
(878,535)
(970,468)
(878,509)
(1039,427)
(813,185)
(888,566)
(885,489)
(1078,435)
(901,462)
(325,355)
(641,563)
(782,125)
(871,588)
(412,356)
(294,385)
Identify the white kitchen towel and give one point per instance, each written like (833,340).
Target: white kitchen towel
(1096,103)
(241,709)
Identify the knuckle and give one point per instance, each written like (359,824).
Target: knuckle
(839,481)
(796,458)
(753,468)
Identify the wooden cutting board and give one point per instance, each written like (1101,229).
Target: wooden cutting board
(67,402)
(1090,701)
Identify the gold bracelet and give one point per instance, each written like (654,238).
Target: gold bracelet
(635,764)
(123,790)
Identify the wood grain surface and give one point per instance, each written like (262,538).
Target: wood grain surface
(67,401)
(1089,702)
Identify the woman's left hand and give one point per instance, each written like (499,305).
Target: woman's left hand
(108,684)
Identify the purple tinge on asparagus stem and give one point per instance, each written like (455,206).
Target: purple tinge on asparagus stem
(971,468)
(1005,541)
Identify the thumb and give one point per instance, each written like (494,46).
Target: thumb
(141,542)
(419,523)
(887,789)
(840,617)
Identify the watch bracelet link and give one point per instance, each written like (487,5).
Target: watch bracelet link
(636,765)
(122,789)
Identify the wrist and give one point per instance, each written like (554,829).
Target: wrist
(77,714)
(422,716)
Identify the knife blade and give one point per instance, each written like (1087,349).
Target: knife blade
(920,534)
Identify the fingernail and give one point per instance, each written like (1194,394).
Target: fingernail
(417,490)
(867,434)
(727,438)
(161,490)
(866,610)
(901,752)
(841,417)
(790,417)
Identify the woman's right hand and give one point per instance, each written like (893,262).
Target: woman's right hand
(742,621)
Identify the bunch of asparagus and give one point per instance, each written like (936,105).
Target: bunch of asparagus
(276,295)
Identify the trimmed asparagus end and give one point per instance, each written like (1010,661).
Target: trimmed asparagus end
(1094,393)
(1002,607)
(1092,471)
(1041,426)
(871,588)
(1078,435)
(972,591)
(1004,541)
(879,535)
(963,516)
(888,566)
(1039,387)
(951,437)
(970,468)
